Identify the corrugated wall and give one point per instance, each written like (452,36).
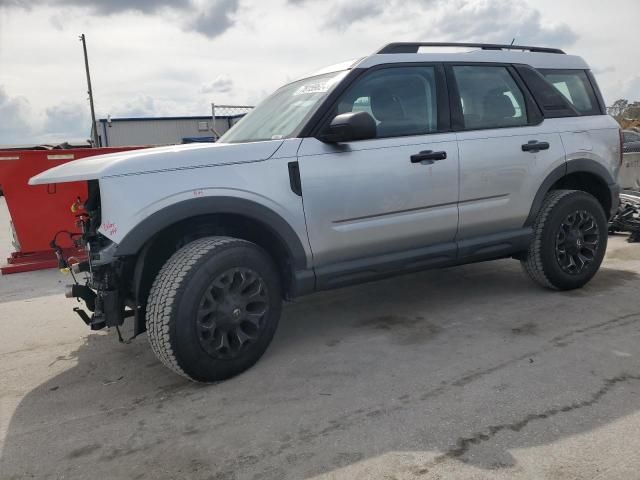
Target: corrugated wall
(156,132)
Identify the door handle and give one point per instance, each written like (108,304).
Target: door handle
(534,146)
(429,156)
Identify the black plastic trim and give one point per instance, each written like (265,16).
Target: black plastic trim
(555,175)
(303,283)
(477,249)
(591,166)
(136,238)
(573,166)
(595,109)
(534,113)
(442,99)
(381,266)
(413,47)
(598,93)
(550,101)
(139,321)
(494,245)
(294,178)
(455,106)
(615,190)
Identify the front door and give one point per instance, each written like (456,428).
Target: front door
(379,203)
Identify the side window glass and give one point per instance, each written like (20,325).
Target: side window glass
(489,97)
(401,100)
(575,87)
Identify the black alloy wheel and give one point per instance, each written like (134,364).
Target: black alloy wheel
(577,242)
(232,312)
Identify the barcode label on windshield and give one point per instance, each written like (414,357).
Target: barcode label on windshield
(319,87)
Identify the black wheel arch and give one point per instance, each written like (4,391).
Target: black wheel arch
(156,238)
(579,174)
(133,242)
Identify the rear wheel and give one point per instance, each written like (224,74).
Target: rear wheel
(214,308)
(569,242)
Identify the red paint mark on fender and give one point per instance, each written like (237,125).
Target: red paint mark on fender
(110,228)
(198,193)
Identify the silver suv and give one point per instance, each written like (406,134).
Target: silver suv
(399,161)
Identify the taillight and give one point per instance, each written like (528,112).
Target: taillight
(621,144)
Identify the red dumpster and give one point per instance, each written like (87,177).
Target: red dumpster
(38,212)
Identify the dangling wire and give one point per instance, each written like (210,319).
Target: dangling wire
(63,263)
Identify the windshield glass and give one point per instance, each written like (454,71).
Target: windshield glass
(280,114)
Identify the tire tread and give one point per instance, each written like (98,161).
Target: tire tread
(166,286)
(532,264)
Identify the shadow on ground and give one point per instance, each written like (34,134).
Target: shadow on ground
(30,285)
(464,364)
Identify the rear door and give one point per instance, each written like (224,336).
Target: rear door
(505,149)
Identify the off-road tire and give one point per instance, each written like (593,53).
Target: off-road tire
(541,262)
(176,294)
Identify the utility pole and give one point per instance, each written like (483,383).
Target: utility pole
(94,132)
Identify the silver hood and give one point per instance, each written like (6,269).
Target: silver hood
(152,160)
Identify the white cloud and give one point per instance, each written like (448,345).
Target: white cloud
(631,89)
(210,18)
(603,70)
(139,106)
(174,57)
(345,15)
(102,7)
(15,113)
(150,106)
(59,122)
(216,18)
(221,84)
(67,120)
(498,21)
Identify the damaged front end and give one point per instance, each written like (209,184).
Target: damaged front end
(104,289)
(102,292)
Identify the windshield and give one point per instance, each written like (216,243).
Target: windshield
(281,114)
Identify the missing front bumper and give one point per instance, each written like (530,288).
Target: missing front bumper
(106,307)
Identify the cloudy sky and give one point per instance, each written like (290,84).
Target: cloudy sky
(175,57)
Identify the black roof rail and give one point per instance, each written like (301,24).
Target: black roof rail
(413,47)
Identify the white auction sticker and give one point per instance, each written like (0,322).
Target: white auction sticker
(319,87)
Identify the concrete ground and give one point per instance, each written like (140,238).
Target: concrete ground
(465,373)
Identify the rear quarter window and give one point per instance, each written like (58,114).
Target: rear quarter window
(575,87)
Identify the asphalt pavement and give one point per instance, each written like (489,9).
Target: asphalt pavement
(470,372)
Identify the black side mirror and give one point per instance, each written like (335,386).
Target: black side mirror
(350,126)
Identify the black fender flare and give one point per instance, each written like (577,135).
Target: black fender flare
(572,166)
(134,241)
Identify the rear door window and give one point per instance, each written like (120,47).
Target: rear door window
(489,97)
(574,85)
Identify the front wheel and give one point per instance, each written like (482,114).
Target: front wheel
(214,308)
(569,241)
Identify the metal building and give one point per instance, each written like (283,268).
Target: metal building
(120,132)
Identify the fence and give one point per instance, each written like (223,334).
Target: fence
(233,113)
